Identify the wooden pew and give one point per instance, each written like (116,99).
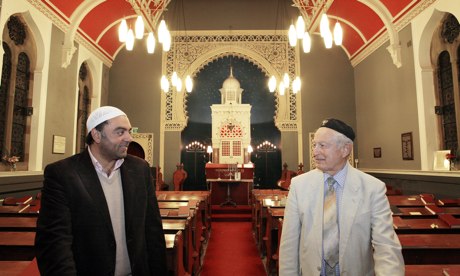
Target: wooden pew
(272,202)
(280,231)
(15,224)
(11,201)
(411,211)
(18,210)
(411,200)
(185,225)
(258,226)
(444,210)
(202,199)
(271,237)
(430,248)
(445,224)
(175,256)
(174,246)
(441,269)
(452,202)
(196,225)
(14,268)
(17,246)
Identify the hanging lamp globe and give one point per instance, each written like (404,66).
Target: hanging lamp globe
(306,43)
(139,27)
(150,43)
(122,31)
(338,34)
(272,84)
(188,84)
(292,35)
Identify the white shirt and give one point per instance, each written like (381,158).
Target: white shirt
(113,192)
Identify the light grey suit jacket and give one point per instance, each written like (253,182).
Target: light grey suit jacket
(368,242)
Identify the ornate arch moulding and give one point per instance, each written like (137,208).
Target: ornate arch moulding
(192,52)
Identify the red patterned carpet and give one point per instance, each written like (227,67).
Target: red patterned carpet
(232,251)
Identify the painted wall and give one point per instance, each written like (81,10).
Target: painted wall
(61,101)
(134,87)
(327,90)
(386,107)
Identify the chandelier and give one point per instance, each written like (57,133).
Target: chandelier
(285,82)
(176,82)
(317,9)
(148,13)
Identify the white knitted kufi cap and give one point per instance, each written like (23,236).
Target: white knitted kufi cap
(102,114)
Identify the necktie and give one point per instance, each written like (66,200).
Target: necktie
(330,226)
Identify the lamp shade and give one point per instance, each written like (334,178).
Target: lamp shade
(292,34)
(306,43)
(162,31)
(188,84)
(272,84)
(174,78)
(296,85)
(286,80)
(281,89)
(130,40)
(139,27)
(150,43)
(328,39)
(300,27)
(338,34)
(178,85)
(122,31)
(167,41)
(324,25)
(164,84)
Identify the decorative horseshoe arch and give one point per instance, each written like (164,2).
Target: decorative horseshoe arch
(191,53)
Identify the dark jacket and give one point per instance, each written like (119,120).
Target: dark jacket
(74,230)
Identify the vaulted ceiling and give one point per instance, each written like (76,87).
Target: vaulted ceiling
(366,23)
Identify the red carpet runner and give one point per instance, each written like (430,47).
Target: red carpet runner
(232,251)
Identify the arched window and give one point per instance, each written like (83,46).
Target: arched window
(15,94)
(447,103)
(5,83)
(84,105)
(20,109)
(446,50)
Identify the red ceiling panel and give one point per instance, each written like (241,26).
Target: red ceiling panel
(352,41)
(99,18)
(359,15)
(109,41)
(356,18)
(66,7)
(396,7)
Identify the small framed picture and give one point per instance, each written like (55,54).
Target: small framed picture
(58,144)
(377,152)
(407,146)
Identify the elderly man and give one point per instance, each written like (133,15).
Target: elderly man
(99,214)
(337,219)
